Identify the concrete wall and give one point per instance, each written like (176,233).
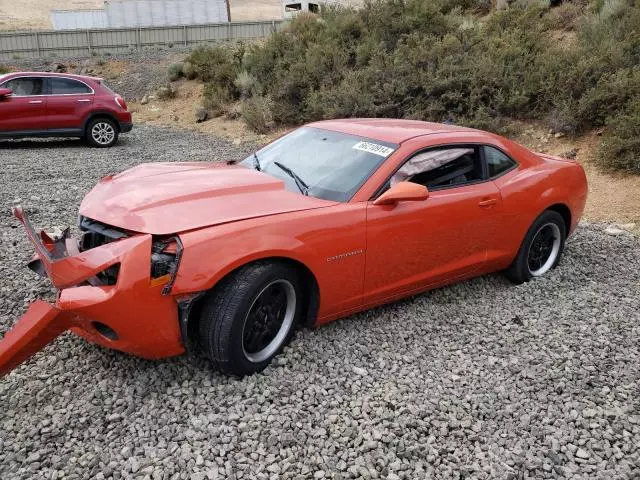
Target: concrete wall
(143,13)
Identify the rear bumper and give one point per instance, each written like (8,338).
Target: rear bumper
(139,320)
(126,127)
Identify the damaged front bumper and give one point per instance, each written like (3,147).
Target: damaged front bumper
(131,315)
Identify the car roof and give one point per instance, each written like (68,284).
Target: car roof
(53,74)
(387,129)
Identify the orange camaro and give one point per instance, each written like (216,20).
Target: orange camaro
(330,219)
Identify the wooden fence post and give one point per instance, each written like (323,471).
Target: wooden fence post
(184,35)
(89,42)
(37,43)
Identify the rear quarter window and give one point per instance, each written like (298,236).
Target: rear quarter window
(497,162)
(67,86)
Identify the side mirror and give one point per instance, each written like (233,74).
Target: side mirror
(403,192)
(4,92)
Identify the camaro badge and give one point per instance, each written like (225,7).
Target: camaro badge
(344,255)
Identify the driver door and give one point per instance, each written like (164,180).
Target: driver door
(26,108)
(415,245)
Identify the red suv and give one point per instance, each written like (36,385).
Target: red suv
(61,105)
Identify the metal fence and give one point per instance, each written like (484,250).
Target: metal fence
(79,43)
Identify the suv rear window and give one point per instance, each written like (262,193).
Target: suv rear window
(66,86)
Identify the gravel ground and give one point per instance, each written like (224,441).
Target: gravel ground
(478,380)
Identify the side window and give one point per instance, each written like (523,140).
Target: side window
(442,167)
(497,162)
(24,86)
(66,86)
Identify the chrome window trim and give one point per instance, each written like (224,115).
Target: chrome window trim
(50,94)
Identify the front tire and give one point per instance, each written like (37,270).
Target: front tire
(250,316)
(541,249)
(101,133)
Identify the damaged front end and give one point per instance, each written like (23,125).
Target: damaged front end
(113,290)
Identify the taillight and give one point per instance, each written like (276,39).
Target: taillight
(121,103)
(165,259)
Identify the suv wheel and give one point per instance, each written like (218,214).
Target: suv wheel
(101,133)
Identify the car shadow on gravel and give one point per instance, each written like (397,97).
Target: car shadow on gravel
(39,144)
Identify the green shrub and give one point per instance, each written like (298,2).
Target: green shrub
(166,92)
(189,71)
(175,71)
(256,113)
(216,100)
(4,69)
(620,147)
(246,84)
(439,60)
(216,64)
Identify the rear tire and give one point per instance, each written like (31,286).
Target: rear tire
(250,316)
(541,248)
(101,133)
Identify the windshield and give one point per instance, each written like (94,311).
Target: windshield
(321,163)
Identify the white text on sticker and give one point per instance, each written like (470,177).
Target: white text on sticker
(374,148)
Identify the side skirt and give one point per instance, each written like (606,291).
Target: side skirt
(54,132)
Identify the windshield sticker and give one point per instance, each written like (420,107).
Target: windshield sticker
(374,148)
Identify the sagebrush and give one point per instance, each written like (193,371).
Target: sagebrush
(574,66)
(175,71)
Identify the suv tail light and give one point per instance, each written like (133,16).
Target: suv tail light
(121,103)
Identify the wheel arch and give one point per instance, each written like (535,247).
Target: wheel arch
(100,114)
(565,213)
(190,312)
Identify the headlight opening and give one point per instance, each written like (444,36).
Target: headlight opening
(165,259)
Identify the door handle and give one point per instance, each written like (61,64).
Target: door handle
(35,101)
(488,202)
(84,100)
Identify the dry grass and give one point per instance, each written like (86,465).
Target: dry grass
(179,112)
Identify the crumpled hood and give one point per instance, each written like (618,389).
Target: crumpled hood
(166,198)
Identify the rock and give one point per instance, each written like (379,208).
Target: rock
(202,114)
(570,154)
(360,371)
(144,100)
(558,135)
(627,226)
(580,453)
(614,231)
